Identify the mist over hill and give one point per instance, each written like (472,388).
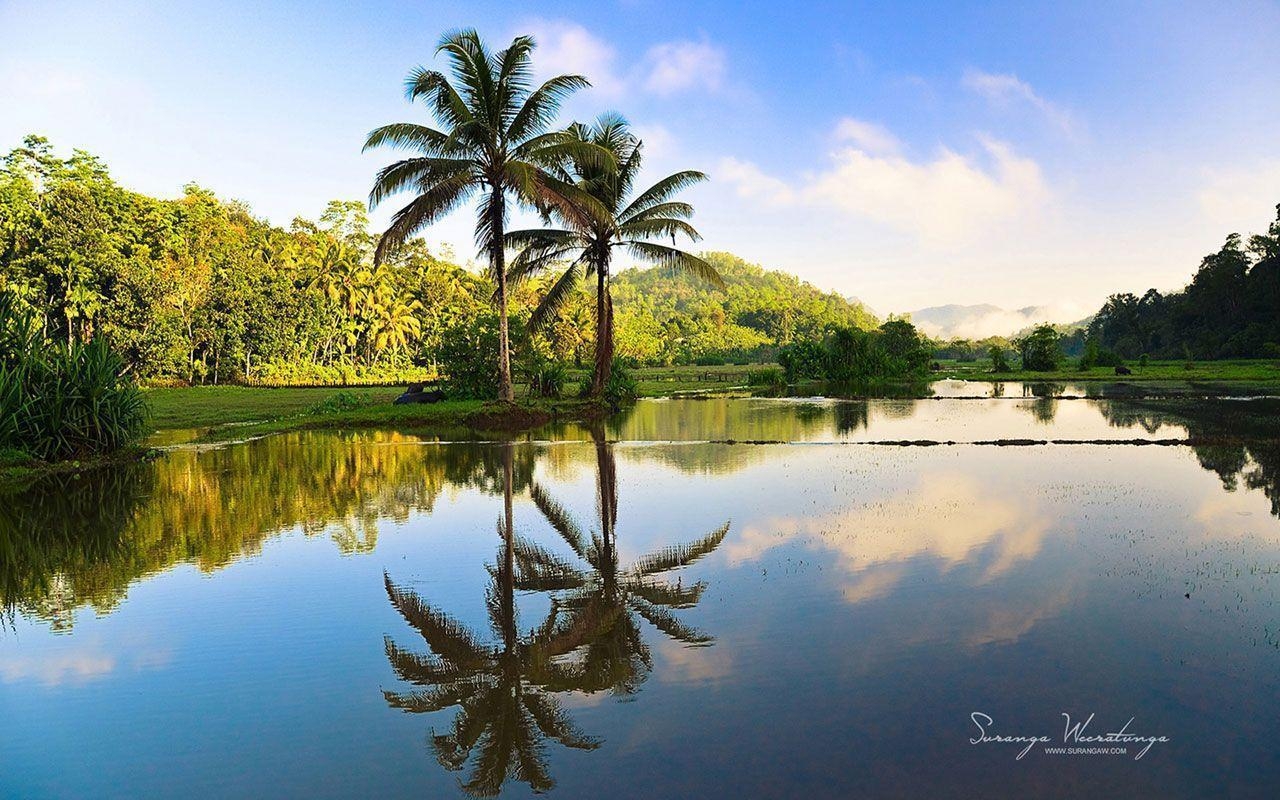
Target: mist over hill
(955,321)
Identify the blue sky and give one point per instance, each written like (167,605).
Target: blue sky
(910,154)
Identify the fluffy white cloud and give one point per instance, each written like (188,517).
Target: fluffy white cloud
(569,48)
(680,66)
(1006,90)
(947,199)
(751,182)
(667,68)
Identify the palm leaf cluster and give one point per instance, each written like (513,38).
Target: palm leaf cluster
(584,245)
(494,139)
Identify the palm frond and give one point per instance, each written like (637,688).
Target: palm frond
(664,190)
(681,555)
(677,260)
(556,296)
(667,622)
(559,518)
(447,638)
(540,108)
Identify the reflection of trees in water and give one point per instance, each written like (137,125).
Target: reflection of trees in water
(1236,440)
(65,538)
(590,640)
(506,712)
(68,542)
(1044,405)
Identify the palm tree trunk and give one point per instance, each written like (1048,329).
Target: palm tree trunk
(604,332)
(497,264)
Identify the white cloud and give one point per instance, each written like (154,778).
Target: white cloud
(1007,89)
(683,65)
(569,48)
(667,68)
(751,182)
(948,199)
(867,136)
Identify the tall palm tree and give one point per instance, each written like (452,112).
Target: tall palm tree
(605,603)
(495,141)
(587,242)
(505,710)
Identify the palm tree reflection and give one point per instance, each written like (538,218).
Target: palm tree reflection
(606,602)
(589,641)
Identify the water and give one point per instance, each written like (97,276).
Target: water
(647,609)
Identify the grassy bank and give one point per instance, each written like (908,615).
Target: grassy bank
(1253,371)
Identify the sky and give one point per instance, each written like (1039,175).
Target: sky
(908,154)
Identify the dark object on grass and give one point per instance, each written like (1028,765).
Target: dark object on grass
(417,393)
(1122,370)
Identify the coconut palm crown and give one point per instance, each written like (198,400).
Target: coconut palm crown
(587,241)
(494,139)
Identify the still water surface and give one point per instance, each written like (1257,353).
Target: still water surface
(654,608)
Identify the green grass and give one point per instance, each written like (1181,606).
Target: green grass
(204,406)
(1254,371)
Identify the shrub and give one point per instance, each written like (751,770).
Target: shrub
(548,379)
(342,401)
(62,399)
(469,353)
(769,377)
(622,386)
(999,359)
(309,373)
(1143,360)
(804,360)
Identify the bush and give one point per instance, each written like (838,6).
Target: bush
(769,377)
(804,360)
(548,380)
(342,401)
(1039,349)
(469,353)
(308,373)
(999,359)
(1143,360)
(61,399)
(709,361)
(622,386)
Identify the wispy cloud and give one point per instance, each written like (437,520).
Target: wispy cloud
(684,65)
(867,136)
(1006,90)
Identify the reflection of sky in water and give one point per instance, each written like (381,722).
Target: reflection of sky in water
(865,601)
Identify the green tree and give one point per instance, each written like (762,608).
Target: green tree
(1039,349)
(588,242)
(496,143)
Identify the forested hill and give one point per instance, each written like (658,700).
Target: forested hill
(757,309)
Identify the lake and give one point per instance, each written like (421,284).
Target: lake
(713,597)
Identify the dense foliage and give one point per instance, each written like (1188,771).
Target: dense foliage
(1229,310)
(894,351)
(199,290)
(666,319)
(62,398)
(1040,350)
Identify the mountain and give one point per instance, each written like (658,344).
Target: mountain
(980,321)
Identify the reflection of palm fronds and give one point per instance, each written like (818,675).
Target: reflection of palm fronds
(506,711)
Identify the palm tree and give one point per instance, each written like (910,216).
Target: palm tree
(588,241)
(505,710)
(605,603)
(495,141)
